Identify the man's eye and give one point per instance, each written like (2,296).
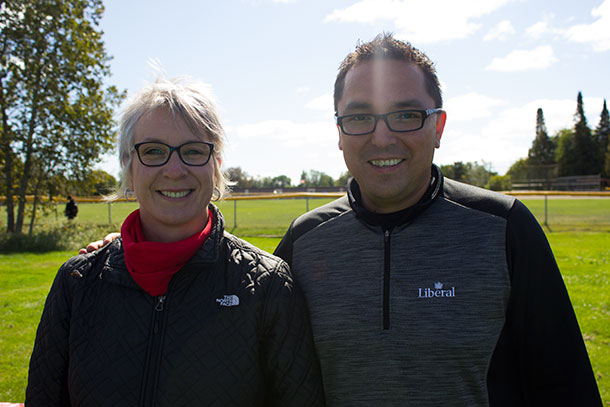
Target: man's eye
(407,116)
(360,118)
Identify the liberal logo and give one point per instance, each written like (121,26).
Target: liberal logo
(437,291)
(228,301)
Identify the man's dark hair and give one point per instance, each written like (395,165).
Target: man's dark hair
(385,47)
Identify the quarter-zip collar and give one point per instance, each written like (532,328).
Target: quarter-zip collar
(389,220)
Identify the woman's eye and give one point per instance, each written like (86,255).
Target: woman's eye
(153,151)
(193,152)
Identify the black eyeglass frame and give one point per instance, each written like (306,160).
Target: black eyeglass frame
(425,114)
(171,150)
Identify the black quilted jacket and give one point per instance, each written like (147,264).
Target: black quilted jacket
(232,330)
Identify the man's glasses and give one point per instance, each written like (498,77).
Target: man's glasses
(154,154)
(399,121)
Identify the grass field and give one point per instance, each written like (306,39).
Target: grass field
(580,238)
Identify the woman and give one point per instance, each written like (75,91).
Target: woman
(177,312)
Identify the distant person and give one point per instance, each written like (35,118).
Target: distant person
(71,208)
(177,312)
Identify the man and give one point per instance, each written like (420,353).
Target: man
(424,291)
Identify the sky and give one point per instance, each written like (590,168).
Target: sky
(272,65)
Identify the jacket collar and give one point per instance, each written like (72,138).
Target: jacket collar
(116,269)
(390,220)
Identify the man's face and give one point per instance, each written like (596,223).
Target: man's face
(392,168)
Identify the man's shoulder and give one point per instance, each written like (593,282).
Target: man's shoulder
(479,199)
(310,221)
(320,215)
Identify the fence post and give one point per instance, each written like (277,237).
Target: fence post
(306,204)
(109,215)
(235,214)
(546,211)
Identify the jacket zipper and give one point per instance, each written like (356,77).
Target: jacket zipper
(386,279)
(154,354)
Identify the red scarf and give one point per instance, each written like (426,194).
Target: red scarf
(152,264)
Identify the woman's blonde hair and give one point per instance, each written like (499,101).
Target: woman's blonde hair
(191,100)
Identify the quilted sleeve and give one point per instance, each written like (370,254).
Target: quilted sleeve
(47,379)
(292,371)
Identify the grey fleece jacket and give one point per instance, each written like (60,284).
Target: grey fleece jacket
(433,306)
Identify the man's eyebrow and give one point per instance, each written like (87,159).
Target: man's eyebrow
(351,106)
(398,105)
(408,104)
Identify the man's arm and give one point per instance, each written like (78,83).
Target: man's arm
(540,358)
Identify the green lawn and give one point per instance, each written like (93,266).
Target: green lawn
(580,239)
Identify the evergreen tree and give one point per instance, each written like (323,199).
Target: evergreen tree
(566,154)
(583,156)
(602,133)
(543,148)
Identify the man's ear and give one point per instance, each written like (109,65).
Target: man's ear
(339,132)
(440,126)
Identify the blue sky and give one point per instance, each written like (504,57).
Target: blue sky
(272,65)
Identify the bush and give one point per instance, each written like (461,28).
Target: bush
(54,238)
(500,183)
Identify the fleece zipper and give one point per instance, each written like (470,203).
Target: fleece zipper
(153,359)
(386,278)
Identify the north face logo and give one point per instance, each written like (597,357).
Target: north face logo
(435,292)
(228,301)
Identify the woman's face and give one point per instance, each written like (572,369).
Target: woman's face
(173,198)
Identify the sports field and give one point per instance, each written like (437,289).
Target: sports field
(578,230)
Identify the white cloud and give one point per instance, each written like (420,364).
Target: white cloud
(324,103)
(537,30)
(509,134)
(283,133)
(302,89)
(415,21)
(596,33)
(274,147)
(500,32)
(539,58)
(470,106)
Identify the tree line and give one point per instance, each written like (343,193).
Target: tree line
(572,151)
(56,117)
(309,179)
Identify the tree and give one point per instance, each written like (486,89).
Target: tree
(519,170)
(456,171)
(584,159)
(566,153)
(342,180)
(239,177)
(602,133)
(97,182)
(316,179)
(281,181)
(500,183)
(542,151)
(56,111)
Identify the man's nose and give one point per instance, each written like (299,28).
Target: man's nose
(383,136)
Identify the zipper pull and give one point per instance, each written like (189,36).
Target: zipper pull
(387,235)
(159,306)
